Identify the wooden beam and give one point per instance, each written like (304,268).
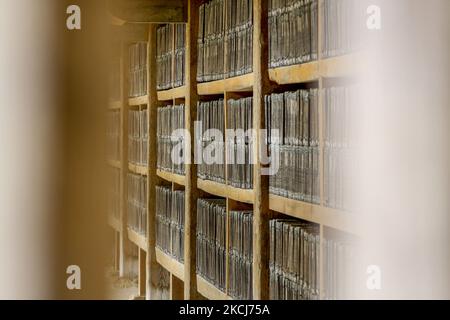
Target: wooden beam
(153,269)
(176,288)
(148,11)
(190,276)
(261,183)
(142,272)
(124,159)
(116,251)
(321,151)
(129,32)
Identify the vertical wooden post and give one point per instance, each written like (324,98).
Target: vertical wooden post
(152,179)
(225,44)
(228,206)
(172,69)
(116,251)
(176,288)
(227,246)
(261,183)
(124,159)
(190,281)
(321,107)
(142,273)
(320,18)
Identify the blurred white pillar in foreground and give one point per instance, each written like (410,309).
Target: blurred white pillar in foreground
(405,130)
(28,133)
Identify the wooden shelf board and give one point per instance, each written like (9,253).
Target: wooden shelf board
(236,84)
(209,291)
(175,93)
(211,187)
(170,264)
(137,239)
(138,169)
(241,195)
(114,223)
(115,105)
(114,164)
(313,213)
(138,101)
(299,73)
(172,177)
(225,191)
(342,66)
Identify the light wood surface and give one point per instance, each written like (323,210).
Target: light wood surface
(173,266)
(172,177)
(237,84)
(114,105)
(137,169)
(114,223)
(114,163)
(209,291)
(137,239)
(299,73)
(138,101)
(224,191)
(175,93)
(342,66)
(314,213)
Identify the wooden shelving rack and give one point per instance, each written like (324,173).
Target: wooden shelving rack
(184,282)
